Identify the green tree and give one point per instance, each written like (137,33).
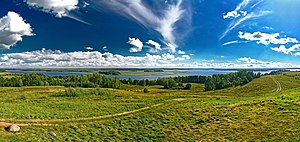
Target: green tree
(188,86)
(146,90)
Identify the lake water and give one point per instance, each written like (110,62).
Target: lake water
(173,73)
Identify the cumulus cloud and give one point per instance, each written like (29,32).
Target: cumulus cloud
(248,62)
(59,8)
(181,52)
(186,57)
(89,48)
(285,50)
(163,20)
(265,38)
(12,28)
(105,48)
(237,12)
(136,43)
(56,58)
(171,47)
(156,45)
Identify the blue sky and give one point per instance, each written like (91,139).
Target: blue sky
(150,33)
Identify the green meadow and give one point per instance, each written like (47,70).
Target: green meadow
(266,109)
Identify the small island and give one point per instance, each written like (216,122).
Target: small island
(110,72)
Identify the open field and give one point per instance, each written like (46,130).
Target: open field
(4,73)
(266,109)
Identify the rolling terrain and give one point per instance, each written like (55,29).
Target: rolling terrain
(266,109)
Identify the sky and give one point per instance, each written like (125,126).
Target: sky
(150,33)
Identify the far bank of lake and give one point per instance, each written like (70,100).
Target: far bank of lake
(138,75)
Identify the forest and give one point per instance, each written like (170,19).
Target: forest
(85,81)
(216,82)
(221,81)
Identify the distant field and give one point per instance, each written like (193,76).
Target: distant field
(267,109)
(4,73)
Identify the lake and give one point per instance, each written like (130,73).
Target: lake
(167,73)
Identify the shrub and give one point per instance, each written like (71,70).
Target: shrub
(146,90)
(101,91)
(74,92)
(22,97)
(188,87)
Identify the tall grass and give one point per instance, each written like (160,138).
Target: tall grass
(77,92)
(101,92)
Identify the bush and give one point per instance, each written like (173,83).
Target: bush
(74,92)
(22,97)
(103,92)
(188,87)
(146,90)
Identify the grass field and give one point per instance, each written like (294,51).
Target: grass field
(4,73)
(267,109)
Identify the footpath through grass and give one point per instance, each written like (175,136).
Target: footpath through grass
(253,112)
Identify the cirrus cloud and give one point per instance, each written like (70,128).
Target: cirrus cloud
(163,19)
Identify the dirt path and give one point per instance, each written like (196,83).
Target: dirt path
(279,88)
(39,122)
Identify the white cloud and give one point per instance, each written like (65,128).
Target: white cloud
(237,12)
(136,43)
(297,54)
(89,48)
(50,58)
(181,52)
(105,48)
(12,28)
(59,8)
(246,10)
(166,24)
(56,58)
(157,46)
(209,61)
(187,57)
(285,50)
(236,23)
(265,38)
(85,4)
(247,62)
(163,21)
(171,47)
(231,14)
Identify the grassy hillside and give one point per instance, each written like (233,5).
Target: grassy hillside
(267,109)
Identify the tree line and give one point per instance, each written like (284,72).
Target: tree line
(85,81)
(221,81)
(215,82)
